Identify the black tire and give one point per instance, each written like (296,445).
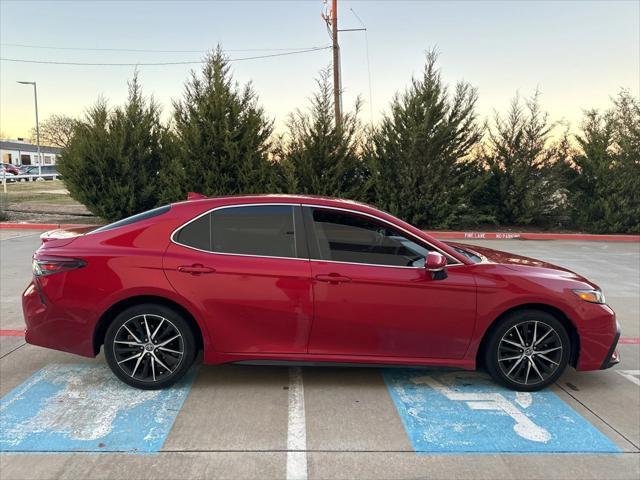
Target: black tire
(161,364)
(537,365)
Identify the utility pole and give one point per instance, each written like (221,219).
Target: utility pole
(331,19)
(337,94)
(35,97)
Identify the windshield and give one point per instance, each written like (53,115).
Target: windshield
(471,256)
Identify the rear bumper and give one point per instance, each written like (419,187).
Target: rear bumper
(52,327)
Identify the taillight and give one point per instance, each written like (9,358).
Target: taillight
(50,265)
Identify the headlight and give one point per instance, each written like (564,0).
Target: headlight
(592,296)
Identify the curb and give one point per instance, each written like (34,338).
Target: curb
(437,234)
(36,226)
(533,236)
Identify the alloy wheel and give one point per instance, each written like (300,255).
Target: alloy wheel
(530,352)
(148,347)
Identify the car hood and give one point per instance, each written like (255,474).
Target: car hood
(525,265)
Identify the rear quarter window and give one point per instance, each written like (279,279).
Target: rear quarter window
(135,218)
(196,234)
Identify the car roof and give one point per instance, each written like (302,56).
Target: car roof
(276,197)
(208,203)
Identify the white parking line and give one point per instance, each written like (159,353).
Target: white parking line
(297,429)
(631,375)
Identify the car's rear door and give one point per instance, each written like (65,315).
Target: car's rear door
(246,269)
(373,296)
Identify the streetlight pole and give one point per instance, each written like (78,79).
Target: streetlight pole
(35,97)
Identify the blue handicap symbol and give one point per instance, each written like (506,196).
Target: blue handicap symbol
(465,412)
(65,407)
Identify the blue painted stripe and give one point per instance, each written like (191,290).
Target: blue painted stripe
(465,412)
(81,407)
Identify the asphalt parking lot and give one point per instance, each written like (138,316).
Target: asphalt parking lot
(63,416)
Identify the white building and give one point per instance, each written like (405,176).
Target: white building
(19,152)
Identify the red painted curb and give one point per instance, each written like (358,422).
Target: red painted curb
(36,226)
(436,234)
(11,333)
(533,236)
(630,340)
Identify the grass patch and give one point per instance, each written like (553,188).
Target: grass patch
(51,192)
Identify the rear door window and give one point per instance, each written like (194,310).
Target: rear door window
(257,230)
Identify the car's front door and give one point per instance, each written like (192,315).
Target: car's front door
(373,296)
(247,270)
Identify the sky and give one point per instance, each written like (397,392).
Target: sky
(577,53)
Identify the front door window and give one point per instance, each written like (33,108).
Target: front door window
(344,237)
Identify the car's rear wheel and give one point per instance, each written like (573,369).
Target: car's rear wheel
(528,350)
(149,346)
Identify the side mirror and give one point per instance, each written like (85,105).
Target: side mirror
(436,263)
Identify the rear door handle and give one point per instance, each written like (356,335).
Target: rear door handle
(196,269)
(333,278)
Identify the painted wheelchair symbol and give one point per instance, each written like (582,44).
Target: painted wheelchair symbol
(524,426)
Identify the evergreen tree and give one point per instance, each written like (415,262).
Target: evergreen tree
(522,185)
(112,160)
(319,158)
(604,182)
(222,137)
(420,152)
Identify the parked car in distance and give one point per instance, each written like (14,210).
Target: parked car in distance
(10,169)
(6,175)
(45,170)
(285,278)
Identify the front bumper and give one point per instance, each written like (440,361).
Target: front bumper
(598,332)
(613,357)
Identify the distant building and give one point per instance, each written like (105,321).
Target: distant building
(19,152)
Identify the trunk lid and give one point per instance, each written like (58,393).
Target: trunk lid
(64,236)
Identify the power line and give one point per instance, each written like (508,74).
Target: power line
(102,64)
(142,50)
(366,39)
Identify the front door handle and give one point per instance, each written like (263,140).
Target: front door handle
(196,269)
(333,278)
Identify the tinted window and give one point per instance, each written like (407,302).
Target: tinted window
(266,230)
(345,237)
(257,230)
(196,234)
(135,218)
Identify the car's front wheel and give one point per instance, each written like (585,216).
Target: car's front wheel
(149,346)
(528,350)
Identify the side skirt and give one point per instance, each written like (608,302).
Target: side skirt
(293,363)
(304,359)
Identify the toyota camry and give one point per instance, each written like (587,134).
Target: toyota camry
(298,279)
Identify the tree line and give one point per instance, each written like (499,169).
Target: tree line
(431,160)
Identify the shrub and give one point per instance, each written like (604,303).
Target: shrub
(419,154)
(221,137)
(320,158)
(112,161)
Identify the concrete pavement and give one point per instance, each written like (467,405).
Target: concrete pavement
(236,420)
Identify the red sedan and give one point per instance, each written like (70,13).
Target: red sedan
(282,278)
